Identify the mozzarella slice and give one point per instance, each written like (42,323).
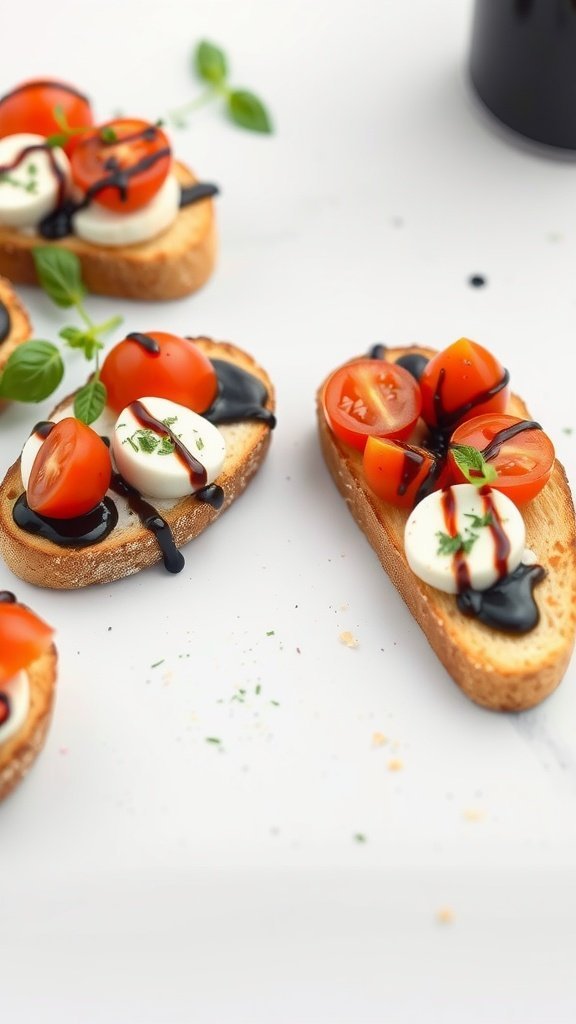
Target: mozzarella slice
(29,190)
(100,226)
(29,452)
(429,521)
(160,470)
(16,693)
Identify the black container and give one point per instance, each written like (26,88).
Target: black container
(523,66)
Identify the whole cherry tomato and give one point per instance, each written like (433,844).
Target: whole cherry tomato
(130,158)
(396,471)
(161,366)
(31,108)
(523,458)
(71,472)
(23,638)
(371,397)
(462,381)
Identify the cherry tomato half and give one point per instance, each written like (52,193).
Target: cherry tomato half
(71,472)
(395,472)
(462,381)
(178,370)
(134,156)
(523,463)
(371,396)
(23,638)
(30,108)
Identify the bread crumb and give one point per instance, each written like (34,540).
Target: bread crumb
(445,915)
(348,639)
(395,764)
(473,814)
(379,739)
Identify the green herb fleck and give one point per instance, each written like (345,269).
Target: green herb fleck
(567,430)
(214,740)
(479,521)
(107,134)
(271,632)
(258,689)
(359,837)
(199,444)
(156,663)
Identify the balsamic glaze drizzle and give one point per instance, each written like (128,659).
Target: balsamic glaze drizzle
(44,83)
(151,520)
(79,532)
(54,166)
(7,597)
(5,321)
(197,472)
(5,707)
(190,194)
(509,605)
(241,396)
(148,343)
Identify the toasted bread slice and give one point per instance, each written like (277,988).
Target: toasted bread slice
(19,752)
(175,263)
(20,327)
(130,546)
(497,670)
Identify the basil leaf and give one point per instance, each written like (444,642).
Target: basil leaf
(246,110)
(32,372)
(59,274)
(90,401)
(473,465)
(211,63)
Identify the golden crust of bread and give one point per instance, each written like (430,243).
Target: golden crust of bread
(18,754)
(176,263)
(496,670)
(20,326)
(128,549)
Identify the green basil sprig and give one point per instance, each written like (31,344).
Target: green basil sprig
(35,369)
(243,107)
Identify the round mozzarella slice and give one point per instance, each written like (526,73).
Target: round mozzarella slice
(15,698)
(152,462)
(30,179)
(489,525)
(100,226)
(29,452)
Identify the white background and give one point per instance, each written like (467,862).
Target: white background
(147,875)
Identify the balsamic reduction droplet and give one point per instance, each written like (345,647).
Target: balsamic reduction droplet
(241,396)
(477,281)
(7,597)
(5,322)
(148,343)
(414,363)
(212,495)
(190,194)
(509,604)
(378,351)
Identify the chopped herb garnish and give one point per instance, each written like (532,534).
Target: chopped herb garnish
(214,740)
(359,837)
(156,663)
(271,632)
(257,690)
(479,521)
(199,444)
(146,440)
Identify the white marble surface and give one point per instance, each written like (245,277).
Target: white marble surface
(148,876)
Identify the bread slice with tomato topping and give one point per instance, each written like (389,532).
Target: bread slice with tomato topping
(175,263)
(15,326)
(20,750)
(498,670)
(131,546)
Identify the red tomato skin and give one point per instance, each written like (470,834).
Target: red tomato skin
(519,479)
(30,108)
(454,380)
(393,471)
(393,417)
(24,637)
(179,371)
(71,472)
(88,164)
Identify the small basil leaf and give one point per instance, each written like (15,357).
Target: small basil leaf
(90,401)
(473,465)
(211,63)
(59,274)
(32,372)
(248,111)
(107,134)
(74,336)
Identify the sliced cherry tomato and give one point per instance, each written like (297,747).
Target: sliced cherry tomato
(30,108)
(130,158)
(23,638)
(523,462)
(371,396)
(397,471)
(462,381)
(159,366)
(71,472)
